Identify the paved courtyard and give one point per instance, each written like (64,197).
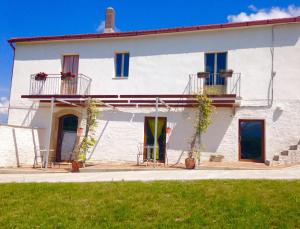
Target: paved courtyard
(153,175)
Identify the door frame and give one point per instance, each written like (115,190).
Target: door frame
(59,135)
(263,147)
(145,136)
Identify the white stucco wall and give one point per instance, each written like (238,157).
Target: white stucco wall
(120,132)
(18,146)
(161,65)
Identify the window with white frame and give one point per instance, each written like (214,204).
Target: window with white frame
(122,64)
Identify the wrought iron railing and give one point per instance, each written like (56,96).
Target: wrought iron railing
(53,84)
(214,83)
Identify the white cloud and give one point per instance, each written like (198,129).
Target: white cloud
(4,105)
(262,14)
(101,27)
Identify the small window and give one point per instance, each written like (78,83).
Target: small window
(122,64)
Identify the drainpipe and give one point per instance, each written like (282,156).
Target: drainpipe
(12,73)
(272,68)
(270,94)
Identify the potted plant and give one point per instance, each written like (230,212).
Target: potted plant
(88,140)
(203,74)
(75,166)
(203,120)
(226,73)
(40,76)
(190,161)
(67,75)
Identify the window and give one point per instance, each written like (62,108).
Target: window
(214,63)
(122,64)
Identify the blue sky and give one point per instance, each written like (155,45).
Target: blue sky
(57,17)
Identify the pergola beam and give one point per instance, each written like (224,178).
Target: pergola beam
(66,102)
(164,103)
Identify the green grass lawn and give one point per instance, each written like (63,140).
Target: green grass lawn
(201,204)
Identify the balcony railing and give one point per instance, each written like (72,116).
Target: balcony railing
(215,84)
(54,85)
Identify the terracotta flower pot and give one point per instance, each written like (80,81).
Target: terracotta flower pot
(76,166)
(203,74)
(168,130)
(226,73)
(190,163)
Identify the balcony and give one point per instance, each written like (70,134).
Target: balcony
(53,84)
(214,84)
(224,92)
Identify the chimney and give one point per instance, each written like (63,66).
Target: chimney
(110,20)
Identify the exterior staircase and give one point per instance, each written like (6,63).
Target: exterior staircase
(286,157)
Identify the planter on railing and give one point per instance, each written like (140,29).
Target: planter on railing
(203,74)
(59,84)
(226,73)
(40,76)
(67,75)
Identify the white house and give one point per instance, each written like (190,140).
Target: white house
(257,107)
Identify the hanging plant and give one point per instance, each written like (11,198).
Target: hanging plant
(41,76)
(67,75)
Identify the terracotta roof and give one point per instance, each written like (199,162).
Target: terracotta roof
(158,31)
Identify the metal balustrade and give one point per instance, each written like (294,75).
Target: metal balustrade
(215,83)
(53,84)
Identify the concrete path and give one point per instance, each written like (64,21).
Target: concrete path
(291,173)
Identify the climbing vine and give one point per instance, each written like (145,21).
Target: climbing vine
(203,119)
(88,141)
(205,109)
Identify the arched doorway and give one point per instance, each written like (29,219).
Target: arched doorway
(66,138)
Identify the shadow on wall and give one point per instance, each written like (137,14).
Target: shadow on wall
(277,113)
(115,130)
(213,137)
(89,156)
(21,146)
(167,44)
(40,117)
(181,122)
